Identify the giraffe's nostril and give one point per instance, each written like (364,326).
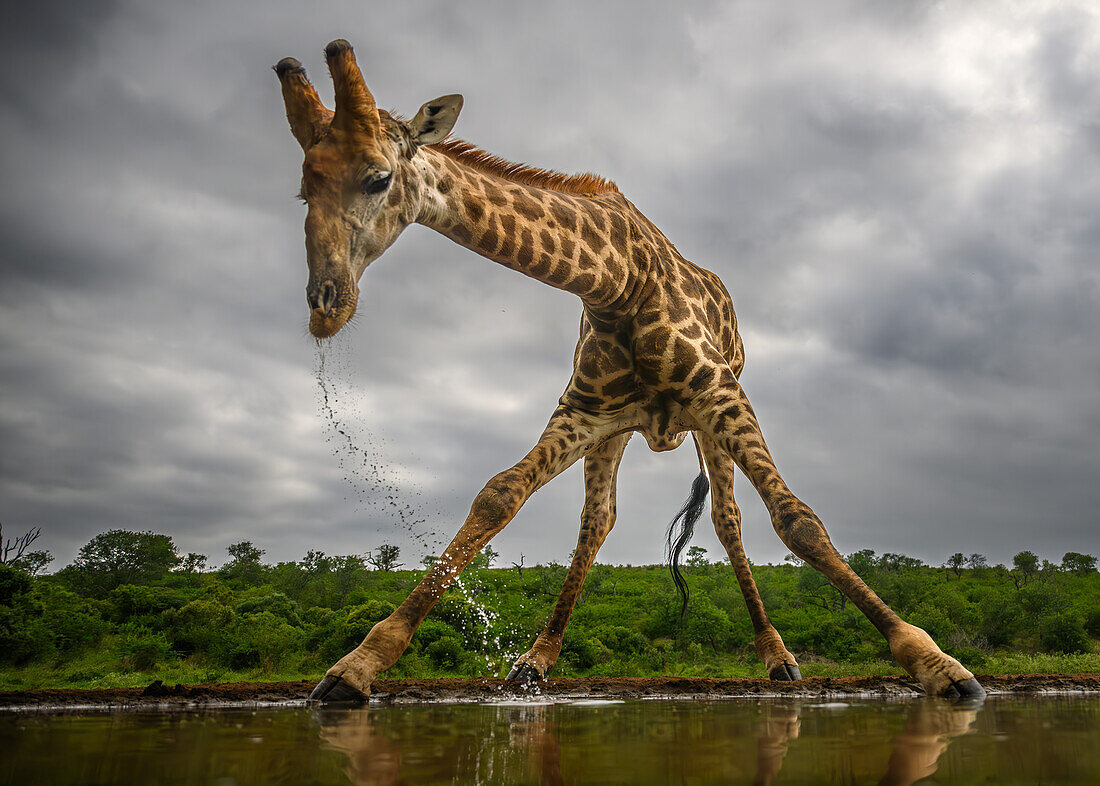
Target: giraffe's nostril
(322,298)
(328,296)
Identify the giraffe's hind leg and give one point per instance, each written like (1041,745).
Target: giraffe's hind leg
(778,660)
(725,414)
(567,436)
(601,466)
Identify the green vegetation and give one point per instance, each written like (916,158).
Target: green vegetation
(130,610)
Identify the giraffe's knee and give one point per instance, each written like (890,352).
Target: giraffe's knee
(597,521)
(803,533)
(727,521)
(495,504)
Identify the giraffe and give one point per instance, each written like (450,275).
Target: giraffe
(658,354)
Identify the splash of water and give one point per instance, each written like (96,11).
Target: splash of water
(377,484)
(488,637)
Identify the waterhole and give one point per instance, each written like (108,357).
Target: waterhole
(1003,740)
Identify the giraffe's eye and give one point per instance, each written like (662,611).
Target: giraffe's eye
(377,183)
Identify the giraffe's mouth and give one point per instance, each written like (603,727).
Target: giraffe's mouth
(324,324)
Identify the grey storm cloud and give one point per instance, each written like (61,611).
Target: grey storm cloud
(902,197)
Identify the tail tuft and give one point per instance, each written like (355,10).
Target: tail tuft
(677,542)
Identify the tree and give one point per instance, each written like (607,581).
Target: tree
(519,565)
(814,588)
(13,553)
(697,557)
(385,558)
(32,562)
(899,562)
(1079,564)
(119,556)
(348,571)
(244,563)
(791,558)
(863,562)
(956,562)
(977,562)
(1027,563)
(315,563)
(484,558)
(245,552)
(193,563)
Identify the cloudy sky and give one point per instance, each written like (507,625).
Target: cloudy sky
(902,197)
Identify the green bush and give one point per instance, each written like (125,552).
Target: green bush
(361,619)
(1063,633)
(142,650)
(130,601)
(1092,621)
(24,640)
(262,641)
(446,652)
(324,634)
(72,621)
(458,612)
(273,602)
(620,640)
(431,631)
(14,584)
(579,651)
(203,626)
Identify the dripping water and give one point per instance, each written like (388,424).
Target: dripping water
(362,460)
(376,484)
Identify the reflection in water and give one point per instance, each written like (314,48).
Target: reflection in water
(931,726)
(534,733)
(1003,741)
(374,759)
(780,727)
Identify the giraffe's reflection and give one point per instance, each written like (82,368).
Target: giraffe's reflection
(931,726)
(373,759)
(780,726)
(521,744)
(915,752)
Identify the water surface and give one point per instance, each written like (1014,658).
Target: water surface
(1003,741)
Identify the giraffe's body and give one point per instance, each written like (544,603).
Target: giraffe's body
(658,353)
(649,314)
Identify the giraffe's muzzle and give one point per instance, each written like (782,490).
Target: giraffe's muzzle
(330,307)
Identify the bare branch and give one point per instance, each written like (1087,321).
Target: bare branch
(17,546)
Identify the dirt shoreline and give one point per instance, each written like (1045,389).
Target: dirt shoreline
(408,691)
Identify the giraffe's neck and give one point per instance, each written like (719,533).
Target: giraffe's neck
(587,245)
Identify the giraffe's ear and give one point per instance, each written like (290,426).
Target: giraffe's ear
(435,120)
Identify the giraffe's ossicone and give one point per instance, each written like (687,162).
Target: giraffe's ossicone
(659,353)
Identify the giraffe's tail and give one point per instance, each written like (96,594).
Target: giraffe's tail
(683,526)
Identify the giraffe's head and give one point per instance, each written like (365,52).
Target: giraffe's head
(359,180)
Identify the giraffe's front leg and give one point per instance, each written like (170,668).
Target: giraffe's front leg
(725,413)
(566,438)
(778,660)
(597,519)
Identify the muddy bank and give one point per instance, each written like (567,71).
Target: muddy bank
(158,695)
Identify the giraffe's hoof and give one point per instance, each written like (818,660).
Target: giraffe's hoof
(524,674)
(785,672)
(332,690)
(965,689)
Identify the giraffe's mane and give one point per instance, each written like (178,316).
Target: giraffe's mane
(483,161)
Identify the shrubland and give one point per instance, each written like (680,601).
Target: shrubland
(130,609)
